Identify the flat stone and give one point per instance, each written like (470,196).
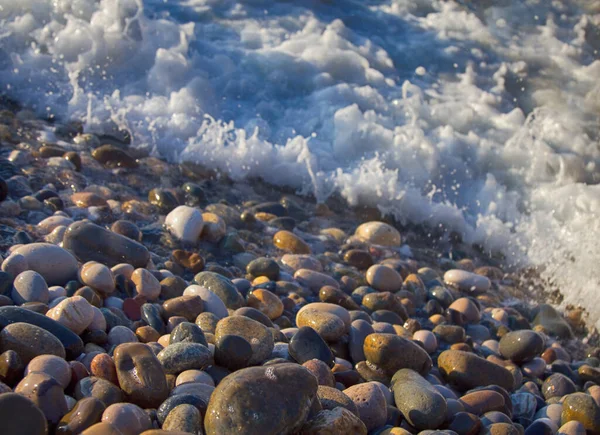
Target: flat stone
(261,400)
(73,345)
(29,341)
(466,371)
(418,401)
(314,280)
(55,264)
(90,242)
(302,261)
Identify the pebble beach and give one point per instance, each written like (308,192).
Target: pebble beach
(144,297)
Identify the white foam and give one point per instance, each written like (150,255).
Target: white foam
(480,118)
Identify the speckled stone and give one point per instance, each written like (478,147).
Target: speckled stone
(29,341)
(581,407)
(184,418)
(179,357)
(260,400)
(370,402)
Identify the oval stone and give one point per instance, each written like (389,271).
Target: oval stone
(19,415)
(222,287)
(261,400)
(521,346)
(178,357)
(29,341)
(467,281)
(378,233)
(391,353)
(466,370)
(55,264)
(255,333)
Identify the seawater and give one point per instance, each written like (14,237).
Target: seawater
(479,116)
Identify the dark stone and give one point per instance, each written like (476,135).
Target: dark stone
(521,346)
(127,229)
(180,399)
(254,314)
(194,194)
(151,314)
(178,357)
(164,199)
(19,415)
(99,388)
(233,352)
(85,413)
(284,223)
(74,158)
(11,368)
(113,157)
(90,242)
(3,189)
(187,332)
(273,208)
(72,343)
(307,344)
(263,267)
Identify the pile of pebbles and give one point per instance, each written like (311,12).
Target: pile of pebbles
(142,297)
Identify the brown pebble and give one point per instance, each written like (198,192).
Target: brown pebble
(103,367)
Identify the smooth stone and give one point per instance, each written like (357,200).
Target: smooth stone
(189,306)
(331,398)
(302,261)
(290,242)
(335,421)
(391,353)
(359,258)
(128,229)
(73,345)
(90,242)
(552,322)
(30,286)
(418,401)
(572,428)
(314,280)
(127,418)
(52,365)
(102,428)
(11,368)
(466,371)
(534,368)
(378,233)
(222,287)
(384,278)
(199,402)
(359,330)
(557,385)
(253,332)
(185,223)
(184,418)
(140,375)
(263,266)
(321,371)
(85,413)
(340,312)
(212,302)
(329,326)
(55,264)
(261,400)
(233,352)
(194,376)
(450,334)
(19,415)
(384,301)
(370,402)
(481,401)
(467,308)
(581,407)
(113,157)
(120,335)
(552,412)
(428,340)
(146,284)
(30,341)
(151,314)
(214,229)
(521,346)
(47,394)
(266,302)
(467,281)
(307,344)
(75,313)
(179,357)
(97,276)
(101,389)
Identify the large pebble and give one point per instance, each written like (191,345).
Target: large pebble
(30,286)
(302,261)
(55,264)
(29,341)
(467,281)
(290,242)
(334,421)
(45,391)
(521,346)
(127,418)
(581,407)
(466,370)
(307,344)
(332,398)
(328,325)
(552,322)
(75,313)
(261,400)
(314,280)
(52,365)
(391,353)
(185,223)
(140,375)
(370,402)
(359,330)
(420,403)
(146,283)
(255,333)
(467,308)
(378,233)
(384,278)
(91,242)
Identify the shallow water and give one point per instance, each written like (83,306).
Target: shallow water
(479,116)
